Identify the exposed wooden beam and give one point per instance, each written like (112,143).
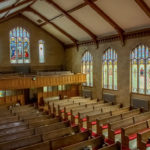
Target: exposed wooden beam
(9,10)
(106,18)
(47,21)
(11,15)
(72,9)
(42,29)
(92,35)
(17,5)
(143,6)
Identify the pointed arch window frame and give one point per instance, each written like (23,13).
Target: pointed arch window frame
(87,64)
(110,69)
(140,59)
(19,42)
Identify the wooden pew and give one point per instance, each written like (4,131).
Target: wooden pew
(13,136)
(39,146)
(60,133)
(54,126)
(102,123)
(13,130)
(142,139)
(29,116)
(37,119)
(115,146)
(99,111)
(89,108)
(130,133)
(18,143)
(115,128)
(12,124)
(95,143)
(69,140)
(67,110)
(9,119)
(60,142)
(91,118)
(43,122)
(54,106)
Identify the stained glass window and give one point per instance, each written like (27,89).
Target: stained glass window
(110,69)
(87,68)
(140,70)
(41,51)
(19,46)
(2,93)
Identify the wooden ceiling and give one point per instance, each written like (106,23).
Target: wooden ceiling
(76,21)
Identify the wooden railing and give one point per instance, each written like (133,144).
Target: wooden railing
(25,82)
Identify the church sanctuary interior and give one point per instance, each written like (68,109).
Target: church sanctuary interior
(74,74)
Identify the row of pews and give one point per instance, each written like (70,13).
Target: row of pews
(74,124)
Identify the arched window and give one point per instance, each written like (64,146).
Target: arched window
(87,68)
(140,70)
(110,69)
(41,51)
(19,46)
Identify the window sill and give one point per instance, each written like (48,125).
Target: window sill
(109,89)
(140,94)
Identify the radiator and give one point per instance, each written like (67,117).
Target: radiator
(87,93)
(108,97)
(140,103)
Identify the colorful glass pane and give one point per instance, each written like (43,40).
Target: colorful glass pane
(26,50)
(87,68)
(148,77)
(105,75)
(45,89)
(115,76)
(41,51)
(19,46)
(59,88)
(2,93)
(134,76)
(13,57)
(110,71)
(91,73)
(141,78)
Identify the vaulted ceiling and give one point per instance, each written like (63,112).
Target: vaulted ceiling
(74,21)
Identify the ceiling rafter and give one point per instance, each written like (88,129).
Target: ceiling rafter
(17,5)
(9,10)
(144,7)
(47,21)
(72,9)
(11,15)
(92,35)
(42,29)
(106,18)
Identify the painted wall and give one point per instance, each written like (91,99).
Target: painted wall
(73,62)
(54,51)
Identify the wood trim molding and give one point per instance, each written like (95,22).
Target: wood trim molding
(111,38)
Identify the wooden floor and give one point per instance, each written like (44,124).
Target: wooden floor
(74,124)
